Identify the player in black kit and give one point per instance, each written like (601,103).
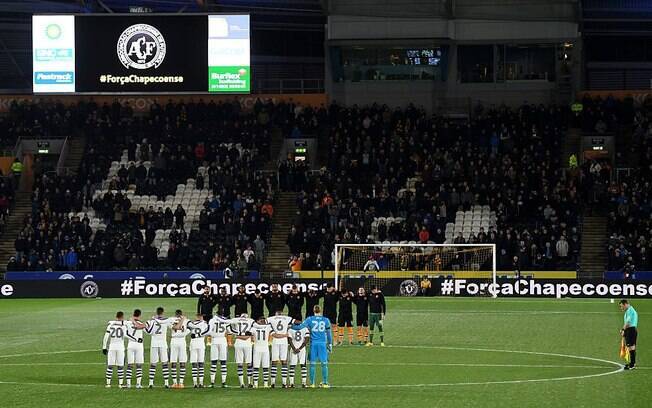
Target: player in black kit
(331,296)
(240,300)
(257,302)
(205,305)
(294,300)
(224,302)
(345,317)
(275,300)
(361,301)
(312,299)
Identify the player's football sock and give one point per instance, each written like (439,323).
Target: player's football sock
(223,368)
(335,331)
(324,372)
(256,378)
(266,376)
(291,374)
(174,373)
(284,373)
(303,374)
(120,374)
(632,358)
(313,369)
(382,337)
(128,375)
(240,375)
(152,373)
(200,373)
(139,374)
(340,335)
(194,374)
(109,374)
(273,380)
(371,337)
(350,330)
(166,374)
(366,334)
(213,370)
(250,373)
(182,373)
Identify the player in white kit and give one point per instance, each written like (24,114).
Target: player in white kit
(241,328)
(198,330)
(158,327)
(135,349)
(281,324)
(261,331)
(113,346)
(178,349)
(298,349)
(219,330)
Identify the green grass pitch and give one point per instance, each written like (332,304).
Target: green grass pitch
(440,353)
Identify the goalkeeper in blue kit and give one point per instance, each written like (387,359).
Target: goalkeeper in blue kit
(321,343)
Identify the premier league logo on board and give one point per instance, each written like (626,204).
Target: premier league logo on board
(141,46)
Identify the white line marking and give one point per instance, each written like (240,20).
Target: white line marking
(568,378)
(502,312)
(46,353)
(359,364)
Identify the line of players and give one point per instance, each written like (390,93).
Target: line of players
(248,356)
(337,307)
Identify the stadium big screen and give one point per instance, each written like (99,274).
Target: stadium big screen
(141,53)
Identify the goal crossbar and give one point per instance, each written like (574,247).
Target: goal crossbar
(340,247)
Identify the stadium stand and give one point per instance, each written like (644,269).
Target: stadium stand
(157,196)
(404,176)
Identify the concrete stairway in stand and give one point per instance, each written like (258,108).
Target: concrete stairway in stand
(593,257)
(572,145)
(23,204)
(278,252)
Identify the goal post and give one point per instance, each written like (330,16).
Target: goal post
(379,262)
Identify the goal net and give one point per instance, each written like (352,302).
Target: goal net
(376,264)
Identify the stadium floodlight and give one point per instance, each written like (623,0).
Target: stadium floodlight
(379,262)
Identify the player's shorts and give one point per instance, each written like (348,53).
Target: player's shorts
(219,349)
(197,355)
(298,359)
(345,320)
(115,357)
(332,317)
(158,354)
(375,319)
(261,357)
(279,349)
(319,352)
(178,353)
(243,349)
(135,353)
(630,336)
(362,320)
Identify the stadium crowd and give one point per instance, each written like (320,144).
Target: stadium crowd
(630,214)
(423,169)
(176,139)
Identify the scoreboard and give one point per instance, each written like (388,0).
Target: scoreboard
(136,53)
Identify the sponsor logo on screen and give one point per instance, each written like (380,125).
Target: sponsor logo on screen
(52,78)
(141,46)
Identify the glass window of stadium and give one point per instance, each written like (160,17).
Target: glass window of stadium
(525,62)
(475,63)
(377,63)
